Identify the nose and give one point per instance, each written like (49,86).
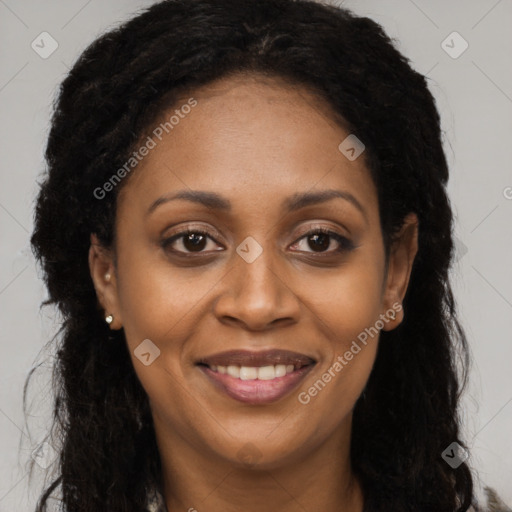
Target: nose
(258,295)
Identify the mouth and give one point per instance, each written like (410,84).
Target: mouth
(256,377)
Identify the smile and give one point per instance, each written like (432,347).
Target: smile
(251,372)
(256,385)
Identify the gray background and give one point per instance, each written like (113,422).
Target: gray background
(474,95)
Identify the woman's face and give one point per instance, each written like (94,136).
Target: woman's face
(267,159)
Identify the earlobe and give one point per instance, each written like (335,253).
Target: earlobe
(394,316)
(102,272)
(402,255)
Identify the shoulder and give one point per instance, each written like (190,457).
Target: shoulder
(155,503)
(493,503)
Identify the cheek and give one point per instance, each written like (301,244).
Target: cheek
(346,316)
(158,301)
(337,386)
(345,308)
(346,302)
(160,304)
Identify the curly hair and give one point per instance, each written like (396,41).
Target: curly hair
(408,413)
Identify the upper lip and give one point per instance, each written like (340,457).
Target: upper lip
(257,359)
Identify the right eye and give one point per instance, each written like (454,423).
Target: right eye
(192,240)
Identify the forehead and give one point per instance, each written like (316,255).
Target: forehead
(249,138)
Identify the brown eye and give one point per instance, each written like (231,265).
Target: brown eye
(192,241)
(319,241)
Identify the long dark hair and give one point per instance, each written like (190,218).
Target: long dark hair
(409,411)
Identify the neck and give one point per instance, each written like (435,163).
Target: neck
(320,478)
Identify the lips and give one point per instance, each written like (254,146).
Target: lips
(257,359)
(256,378)
(256,392)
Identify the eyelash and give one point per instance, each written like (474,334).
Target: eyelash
(344,243)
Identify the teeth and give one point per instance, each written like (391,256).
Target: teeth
(280,370)
(248,373)
(268,372)
(252,373)
(234,371)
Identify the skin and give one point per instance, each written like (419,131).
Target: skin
(255,141)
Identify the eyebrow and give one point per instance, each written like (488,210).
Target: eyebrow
(292,203)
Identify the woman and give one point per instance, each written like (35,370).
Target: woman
(246,228)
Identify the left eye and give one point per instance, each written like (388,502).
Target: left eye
(320,240)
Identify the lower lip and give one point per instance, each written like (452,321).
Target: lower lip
(257,391)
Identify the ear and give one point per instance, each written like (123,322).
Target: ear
(102,269)
(401,258)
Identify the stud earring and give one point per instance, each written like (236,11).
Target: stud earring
(109,319)
(107,276)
